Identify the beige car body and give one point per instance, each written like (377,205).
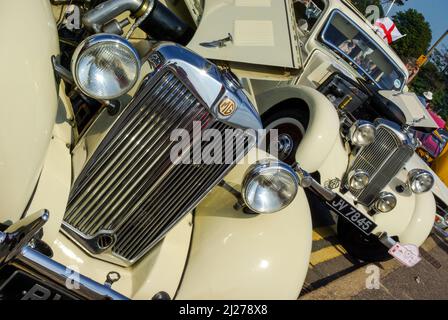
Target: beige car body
(213,253)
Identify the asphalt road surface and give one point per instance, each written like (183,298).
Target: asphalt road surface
(333,274)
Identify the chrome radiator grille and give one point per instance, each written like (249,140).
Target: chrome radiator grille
(382,160)
(130,189)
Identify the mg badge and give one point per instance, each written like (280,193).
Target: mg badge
(227,107)
(332,183)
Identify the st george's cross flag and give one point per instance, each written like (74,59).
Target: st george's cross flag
(387,29)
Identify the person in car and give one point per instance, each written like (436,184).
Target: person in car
(413,68)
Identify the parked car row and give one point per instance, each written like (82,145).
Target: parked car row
(134,164)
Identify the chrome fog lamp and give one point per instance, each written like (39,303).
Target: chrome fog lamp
(269,186)
(386,202)
(420,180)
(105,66)
(358,180)
(362,133)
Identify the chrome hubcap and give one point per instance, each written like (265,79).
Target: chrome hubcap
(285,145)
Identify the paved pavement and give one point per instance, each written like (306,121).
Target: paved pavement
(423,281)
(329,260)
(333,274)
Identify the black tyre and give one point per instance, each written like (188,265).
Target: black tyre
(291,124)
(360,246)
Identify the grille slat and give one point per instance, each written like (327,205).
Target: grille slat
(152,184)
(382,160)
(151,221)
(130,186)
(110,149)
(165,185)
(107,179)
(131,178)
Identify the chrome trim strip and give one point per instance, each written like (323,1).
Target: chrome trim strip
(39,265)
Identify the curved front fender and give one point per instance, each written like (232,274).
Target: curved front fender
(422,220)
(440,189)
(234,255)
(323,126)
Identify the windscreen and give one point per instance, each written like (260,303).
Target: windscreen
(348,41)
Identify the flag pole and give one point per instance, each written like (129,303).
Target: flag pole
(436,44)
(424,58)
(390,8)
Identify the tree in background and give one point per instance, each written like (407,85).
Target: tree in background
(440,58)
(410,22)
(418,33)
(433,76)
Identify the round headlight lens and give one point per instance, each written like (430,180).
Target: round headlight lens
(358,180)
(386,202)
(269,186)
(420,180)
(105,66)
(362,133)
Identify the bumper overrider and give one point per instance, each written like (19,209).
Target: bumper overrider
(45,278)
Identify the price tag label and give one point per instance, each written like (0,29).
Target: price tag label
(407,254)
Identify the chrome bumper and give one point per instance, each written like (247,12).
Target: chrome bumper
(15,250)
(308,182)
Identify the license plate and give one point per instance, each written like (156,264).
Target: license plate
(20,286)
(348,212)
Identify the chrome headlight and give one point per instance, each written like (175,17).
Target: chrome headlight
(386,202)
(269,186)
(358,180)
(420,180)
(105,66)
(362,133)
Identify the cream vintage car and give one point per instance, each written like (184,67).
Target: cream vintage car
(95,204)
(336,83)
(92,205)
(362,148)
